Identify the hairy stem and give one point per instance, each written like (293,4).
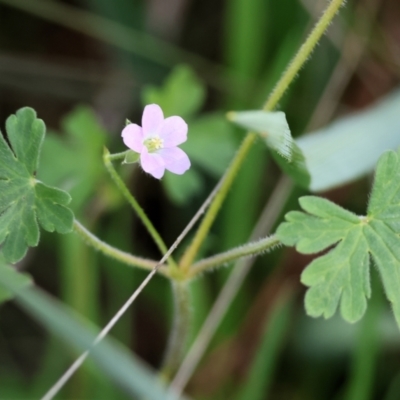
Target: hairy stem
(117,156)
(139,210)
(215,206)
(249,249)
(114,253)
(303,54)
(288,76)
(179,331)
(242,267)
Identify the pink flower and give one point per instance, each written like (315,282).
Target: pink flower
(157,140)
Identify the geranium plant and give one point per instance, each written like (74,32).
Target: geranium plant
(340,278)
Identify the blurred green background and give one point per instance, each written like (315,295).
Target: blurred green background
(87,65)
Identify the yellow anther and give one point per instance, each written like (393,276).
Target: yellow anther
(153,144)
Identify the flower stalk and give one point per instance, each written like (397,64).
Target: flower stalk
(139,210)
(118,156)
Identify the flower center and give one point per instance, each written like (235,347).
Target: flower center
(153,144)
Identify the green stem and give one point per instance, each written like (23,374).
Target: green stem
(212,212)
(298,61)
(139,210)
(114,253)
(179,331)
(249,249)
(303,54)
(118,156)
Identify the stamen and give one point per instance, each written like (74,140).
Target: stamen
(153,144)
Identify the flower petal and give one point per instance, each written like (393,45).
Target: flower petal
(152,163)
(152,118)
(173,131)
(175,159)
(132,135)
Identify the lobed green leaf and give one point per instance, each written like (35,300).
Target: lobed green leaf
(342,274)
(25,202)
(318,229)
